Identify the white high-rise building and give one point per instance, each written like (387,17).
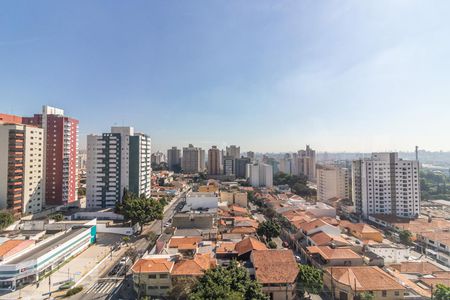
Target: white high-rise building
(260,175)
(116,161)
(385,184)
(158,157)
(332,182)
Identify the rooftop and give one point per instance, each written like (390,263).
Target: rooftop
(364,278)
(275,266)
(249,244)
(195,266)
(153,265)
(329,253)
(421,267)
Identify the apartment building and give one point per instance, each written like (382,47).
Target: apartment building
(260,175)
(229,165)
(214,157)
(387,185)
(240,166)
(233,151)
(21,168)
(332,182)
(158,157)
(173,158)
(306,162)
(193,160)
(116,161)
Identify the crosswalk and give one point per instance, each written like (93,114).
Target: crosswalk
(103,287)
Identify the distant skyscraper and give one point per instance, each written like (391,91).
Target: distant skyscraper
(21,168)
(241,166)
(233,151)
(60,154)
(307,163)
(191,161)
(173,158)
(251,155)
(228,165)
(158,157)
(116,161)
(214,161)
(385,184)
(332,181)
(260,175)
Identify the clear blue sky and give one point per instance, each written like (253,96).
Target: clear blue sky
(266,75)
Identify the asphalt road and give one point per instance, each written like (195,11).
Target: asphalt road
(122,288)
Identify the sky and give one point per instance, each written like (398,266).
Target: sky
(270,76)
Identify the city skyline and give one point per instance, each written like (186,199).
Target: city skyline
(272,77)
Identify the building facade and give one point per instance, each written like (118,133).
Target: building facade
(173,158)
(228,165)
(61,154)
(233,151)
(214,166)
(240,166)
(332,182)
(385,184)
(116,161)
(192,159)
(260,175)
(21,168)
(306,162)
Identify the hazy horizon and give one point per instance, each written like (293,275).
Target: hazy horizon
(269,76)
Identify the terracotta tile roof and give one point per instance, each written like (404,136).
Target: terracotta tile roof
(422,267)
(239,209)
(175,242)
(324,239)
(410,284)
(226,247)
(365,278)
(155,265)
(308,226)
(434,281)
(245,221)
(194,267)
(443,237)
(249,244)
(9,246)
(330,253)
(243,230)
(275,266)
(358,227)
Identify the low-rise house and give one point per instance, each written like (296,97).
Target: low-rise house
(391,253)
(362,231)
(277,271)
(151,276)
(325,239)
(347,283)
(324,256)
(245,247)
(193,267)
(234,198)
(318,225)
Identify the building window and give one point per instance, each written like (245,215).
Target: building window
(152,276)
(384,293)
(397,293)
(163,276)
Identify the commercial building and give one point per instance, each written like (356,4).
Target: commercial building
(233,151)
(173,158)
(29,265)
(385,184)
(332,182)
(214,166)
(193,160)
(115,161)
(260,175)
(21,168)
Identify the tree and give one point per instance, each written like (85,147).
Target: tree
(310,280)
(58,217)
(442,292)
(405,237)
(231,282)
(269,229)
(272,245)
(6,219)
(140,210)
(182,287)
(126,240)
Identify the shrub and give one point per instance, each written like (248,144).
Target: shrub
(74,291)
(272,245)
